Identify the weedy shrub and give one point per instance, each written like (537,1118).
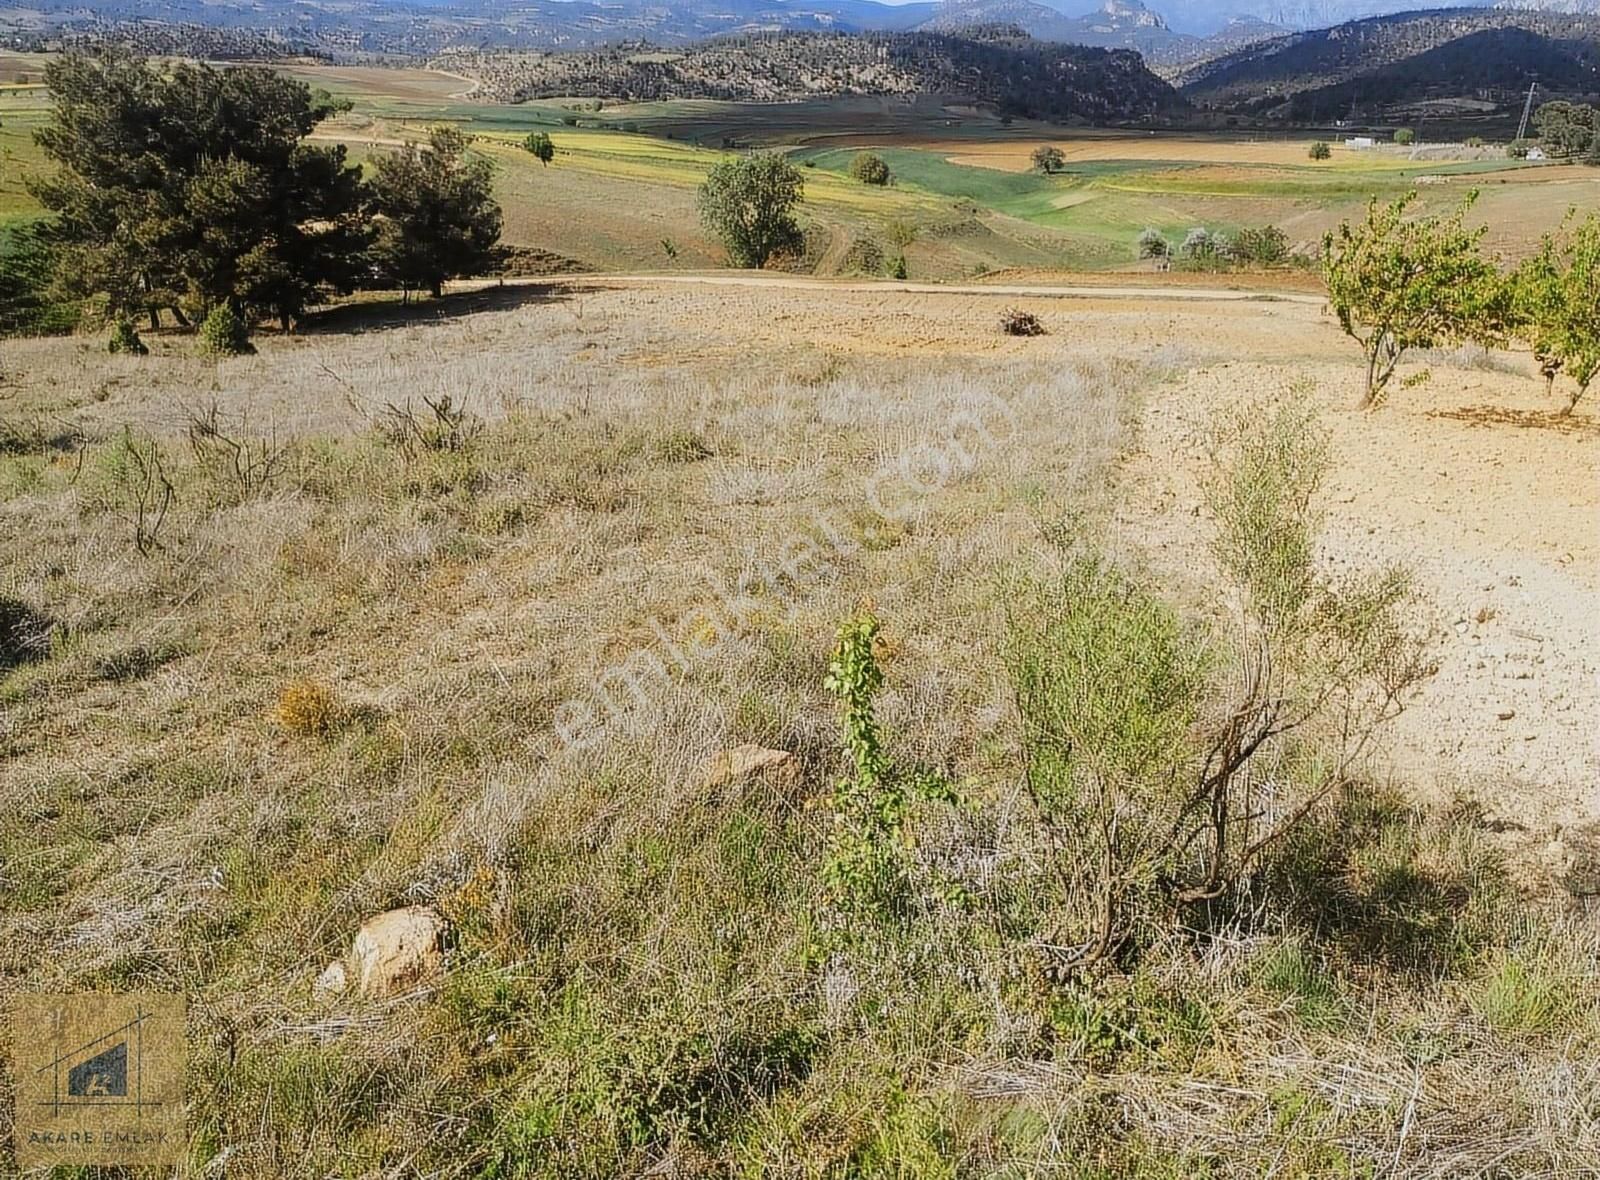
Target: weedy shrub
(308,707)
(869,169)
(1321,151)
(1266,246)
(224,333)
(1016,322)
(134,473)
(682,446)
(125,339)
(1164,763)
(446,427)
(241,465)
(24,633)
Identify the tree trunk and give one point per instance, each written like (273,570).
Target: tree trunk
(438,288)
(177,314)
(155,319)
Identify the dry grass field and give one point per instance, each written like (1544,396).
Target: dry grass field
(530,621)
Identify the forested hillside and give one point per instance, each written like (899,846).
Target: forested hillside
(998,66)
(1454,52)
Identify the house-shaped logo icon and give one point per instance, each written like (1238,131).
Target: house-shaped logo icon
(105,1071)
(99,1079)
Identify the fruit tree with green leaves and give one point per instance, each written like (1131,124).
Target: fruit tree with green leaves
(1557,300)
(1398,282)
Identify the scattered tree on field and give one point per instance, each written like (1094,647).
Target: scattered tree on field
(1399,282)
(540,146)
(1267,246)
(1048,159)
(749,202)
(1405,136)
(1568,129)
(1557,307)
(1321,151)
(869,169)
(438,218)
(188,185)
(1152,244)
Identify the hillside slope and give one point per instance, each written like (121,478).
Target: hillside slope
(1405,58)
(1001,67)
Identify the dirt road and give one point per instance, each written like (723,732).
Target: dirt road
(814,286)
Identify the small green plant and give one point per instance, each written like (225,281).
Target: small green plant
(1523,994)
(669,248)
(1291,971)
(1321,151)
(125,339)
(1047,159)
(224,333)
(898,268)
(866,863)
(682,446)
(1405,137)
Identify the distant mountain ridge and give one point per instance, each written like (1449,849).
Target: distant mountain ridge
(1487,54)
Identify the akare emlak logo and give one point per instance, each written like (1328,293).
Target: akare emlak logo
(99,1079)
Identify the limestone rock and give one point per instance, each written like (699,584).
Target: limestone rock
(749,761)
(398,950)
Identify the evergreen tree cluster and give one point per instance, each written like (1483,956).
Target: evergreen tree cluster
(186,187)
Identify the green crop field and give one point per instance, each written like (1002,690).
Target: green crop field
(620,194)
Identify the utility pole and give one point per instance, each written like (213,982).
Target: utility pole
(1527,110)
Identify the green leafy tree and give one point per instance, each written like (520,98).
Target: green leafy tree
(1267,246)
(869,169)
(1567,128)
(438,218)
(1048,159)
(1399,282)
(540,146)
(1321,151)
(188,184)
(1557,298)
(1405,137)
(749,202)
